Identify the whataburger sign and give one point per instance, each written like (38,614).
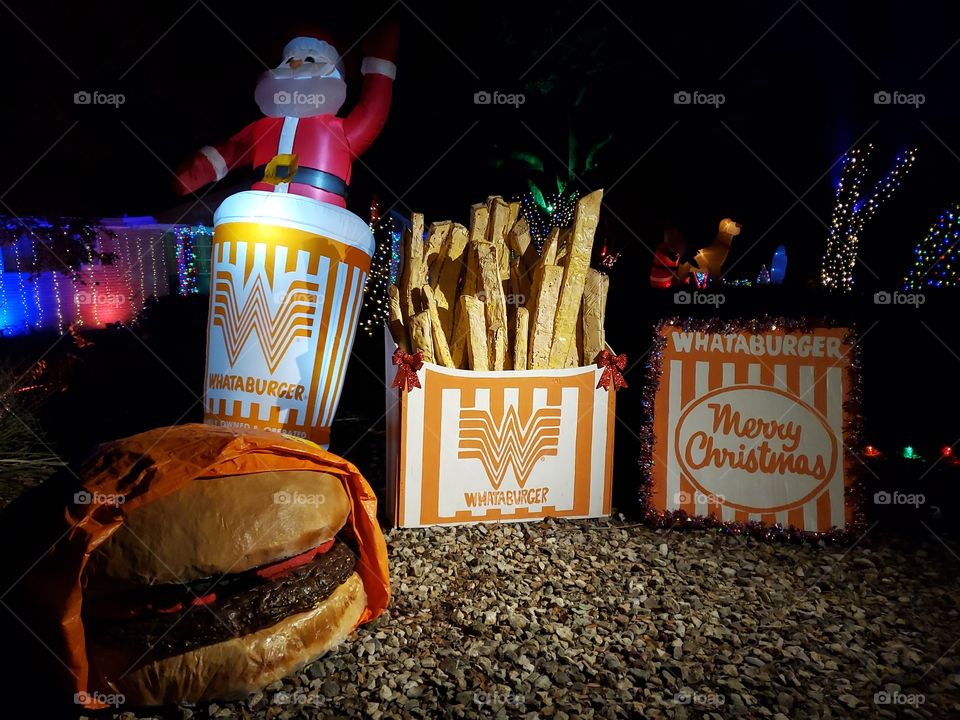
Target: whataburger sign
(749,426)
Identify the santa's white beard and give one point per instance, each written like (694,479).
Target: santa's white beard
(304,92)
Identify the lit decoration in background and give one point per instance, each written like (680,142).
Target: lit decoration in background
(396,237)
(545,212)
(778,265)
(18,269)
(910,452)
(935,255)
(947,455)
(93,292)
(34,282)
(383,268)
(153,267)
(545,209)
(188,265)
(608,260)
(853,209)
(67,273)
(764,277)
(57,301)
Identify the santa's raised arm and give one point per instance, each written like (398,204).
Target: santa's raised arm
(301,133)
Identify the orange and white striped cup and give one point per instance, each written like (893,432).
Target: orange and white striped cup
(286,287)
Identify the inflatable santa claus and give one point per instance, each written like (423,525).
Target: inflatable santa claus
(289,261)
(300,99)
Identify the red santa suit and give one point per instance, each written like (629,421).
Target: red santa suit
(666,259)
(325,145)
(663,272)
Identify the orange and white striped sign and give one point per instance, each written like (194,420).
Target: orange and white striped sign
(503,446)
(750,426)
(286,288)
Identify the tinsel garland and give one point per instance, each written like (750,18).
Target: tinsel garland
(856,492)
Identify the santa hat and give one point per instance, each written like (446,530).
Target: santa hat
(313,42)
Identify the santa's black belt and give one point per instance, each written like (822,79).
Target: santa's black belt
(319,179)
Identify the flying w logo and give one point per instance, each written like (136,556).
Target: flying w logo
(274,330)
(509,442)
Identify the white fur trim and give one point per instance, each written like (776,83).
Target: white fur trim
(287,134)
(303,47)
(216,159)
(378,66)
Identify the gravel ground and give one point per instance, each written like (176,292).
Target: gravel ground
(570,619)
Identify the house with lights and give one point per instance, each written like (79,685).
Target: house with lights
(130,261)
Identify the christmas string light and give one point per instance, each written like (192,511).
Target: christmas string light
(3,289)
(35,283)
(143,282)
(764,277)
(23,297)
(374,312)
(92,285)
(126,249)
(153,267)
(853,209)
(78,314)
(544,214)
(56,295)
(188,267)
(934,256)
(395,238)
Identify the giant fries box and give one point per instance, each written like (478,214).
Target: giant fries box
(470,446)
(497,369)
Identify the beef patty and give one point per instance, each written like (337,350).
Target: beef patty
(244,604)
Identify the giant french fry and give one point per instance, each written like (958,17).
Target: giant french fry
(522,245)
(395,322)
(478,233)
(444,281)
(413,274)
(497,232)
(525,254)
(563,244)
(477,353)
(520,333)
(576,348)
(519,288)
(488,259)
(512,214)
(546,286)
(594,307)
(576,264)
(421,335)
(479,219)
(441,350)
(549,254)
(436,238)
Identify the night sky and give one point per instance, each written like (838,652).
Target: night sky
(798,81)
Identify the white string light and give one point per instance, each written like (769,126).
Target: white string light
(853,210)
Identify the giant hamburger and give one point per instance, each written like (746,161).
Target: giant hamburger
(205,564)
(222,587)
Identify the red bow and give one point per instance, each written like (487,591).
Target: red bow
(407,366)
(613,367)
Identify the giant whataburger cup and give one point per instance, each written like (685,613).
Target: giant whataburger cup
(286,285)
